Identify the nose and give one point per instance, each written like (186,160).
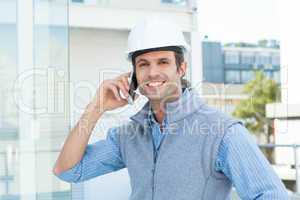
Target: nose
(154,71)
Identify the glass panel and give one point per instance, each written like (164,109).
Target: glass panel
(33,61)
(247,58)
(275,59)
(176,2)
(52,106)
(269,74)
(231,58)
(232,76)
(247,76)
(276,76)
(77,1)
(135,4)
(262,59)
(9,125)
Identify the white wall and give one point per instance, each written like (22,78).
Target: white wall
(287,130)
(91,52)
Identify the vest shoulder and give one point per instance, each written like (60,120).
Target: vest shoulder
(129,129)
(210,115)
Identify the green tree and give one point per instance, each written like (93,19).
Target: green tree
(260,91)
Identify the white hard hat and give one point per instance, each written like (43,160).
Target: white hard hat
(155,33)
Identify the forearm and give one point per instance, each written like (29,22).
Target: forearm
(244,164)
(107,98)
(77,140)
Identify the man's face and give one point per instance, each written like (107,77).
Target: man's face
(157,74)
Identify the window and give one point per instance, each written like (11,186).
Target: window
(77,1)
(262,59)
(247,75)
(269,74)
(29,141)
(232,76)
(176,2)
(268,66)
(231,57)
(276,76)
(275,59)
(247,58)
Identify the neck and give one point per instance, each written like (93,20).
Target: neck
(158,106)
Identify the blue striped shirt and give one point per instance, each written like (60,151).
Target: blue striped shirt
(239,158)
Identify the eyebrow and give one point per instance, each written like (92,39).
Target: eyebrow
(159,59)
(167,59)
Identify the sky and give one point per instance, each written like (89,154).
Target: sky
(239,20)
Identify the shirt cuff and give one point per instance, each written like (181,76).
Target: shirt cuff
(71,175)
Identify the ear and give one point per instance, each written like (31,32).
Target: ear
(182,69)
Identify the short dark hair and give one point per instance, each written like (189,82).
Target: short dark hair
(179,59)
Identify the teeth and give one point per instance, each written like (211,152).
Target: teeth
(155,84)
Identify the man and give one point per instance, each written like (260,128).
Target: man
(175,147)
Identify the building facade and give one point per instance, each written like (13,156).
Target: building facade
(237,65)
(53,55)
(227,68)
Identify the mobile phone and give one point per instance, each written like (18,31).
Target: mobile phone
(132,87)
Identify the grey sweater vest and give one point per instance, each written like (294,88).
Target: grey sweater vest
(185,165)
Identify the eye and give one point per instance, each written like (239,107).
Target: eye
(142,65)
(163,62)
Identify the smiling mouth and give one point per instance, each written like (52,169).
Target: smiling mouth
(155,83)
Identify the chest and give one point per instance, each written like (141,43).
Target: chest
(180,158)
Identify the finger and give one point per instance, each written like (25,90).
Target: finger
(127,74)
(122,87)
(125,77)
(114,89)
(125,82)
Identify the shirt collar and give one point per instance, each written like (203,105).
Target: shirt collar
(150,117)
(188,103)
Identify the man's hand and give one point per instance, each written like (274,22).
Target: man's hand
(108,96)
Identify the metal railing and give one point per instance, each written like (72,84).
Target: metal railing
(293,196)
(7,176)
(296,160)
